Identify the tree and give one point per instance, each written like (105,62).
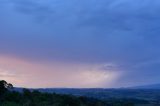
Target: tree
(4,87)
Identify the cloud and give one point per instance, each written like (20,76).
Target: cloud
(121,33)
(95,31)
(40,12)
(25,73)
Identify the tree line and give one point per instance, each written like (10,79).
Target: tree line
(10,97)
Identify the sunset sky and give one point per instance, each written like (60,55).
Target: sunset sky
(80,43)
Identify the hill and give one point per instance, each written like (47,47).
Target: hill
(105,94)
(152,86)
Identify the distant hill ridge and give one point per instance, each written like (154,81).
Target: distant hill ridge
(152,86)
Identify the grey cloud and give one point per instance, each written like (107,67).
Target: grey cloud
(40,12)
(122,31)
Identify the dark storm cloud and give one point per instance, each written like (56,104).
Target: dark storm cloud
(39,11)
(124,32)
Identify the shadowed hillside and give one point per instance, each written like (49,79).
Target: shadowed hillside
(9,97)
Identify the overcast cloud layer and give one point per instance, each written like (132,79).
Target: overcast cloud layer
(120,36)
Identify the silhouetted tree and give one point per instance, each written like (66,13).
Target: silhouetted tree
(4,87)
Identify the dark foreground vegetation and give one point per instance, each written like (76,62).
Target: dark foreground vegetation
(10,97)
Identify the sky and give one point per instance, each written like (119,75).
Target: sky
(80,43)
